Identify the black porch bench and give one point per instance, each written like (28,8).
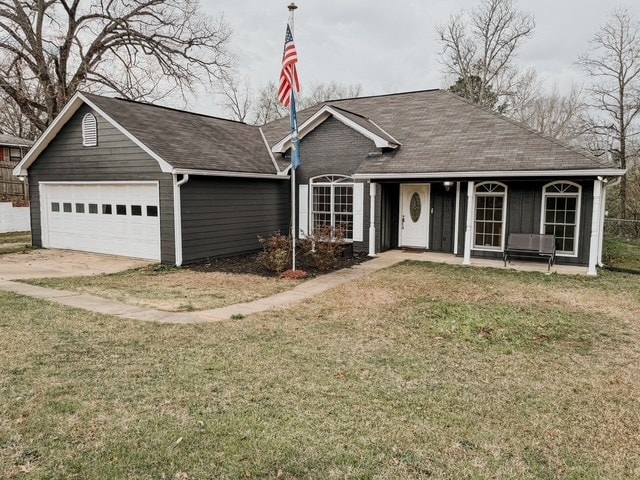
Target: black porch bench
(531,245)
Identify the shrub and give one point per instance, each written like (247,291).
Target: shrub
(276,254)
(324,246)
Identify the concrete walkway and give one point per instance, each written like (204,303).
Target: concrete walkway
(301,292)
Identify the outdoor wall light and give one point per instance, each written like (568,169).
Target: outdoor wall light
(448,185)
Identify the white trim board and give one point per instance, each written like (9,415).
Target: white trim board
(321,115)
(604,172)
(220,173)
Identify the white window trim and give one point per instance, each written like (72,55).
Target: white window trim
(578,208)
(504,215)
(89,141)
(314,183)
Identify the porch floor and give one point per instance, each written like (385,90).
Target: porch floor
(521,265)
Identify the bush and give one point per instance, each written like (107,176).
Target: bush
(276,254)
(324,246)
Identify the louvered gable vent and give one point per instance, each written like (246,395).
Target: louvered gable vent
(89,130)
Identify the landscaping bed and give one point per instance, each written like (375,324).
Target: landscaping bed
(250,265)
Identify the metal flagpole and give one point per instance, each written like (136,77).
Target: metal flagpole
(292,7)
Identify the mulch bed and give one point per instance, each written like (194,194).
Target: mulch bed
(248,264)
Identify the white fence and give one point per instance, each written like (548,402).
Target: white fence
(14,219)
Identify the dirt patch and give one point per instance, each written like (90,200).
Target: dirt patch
(249,265)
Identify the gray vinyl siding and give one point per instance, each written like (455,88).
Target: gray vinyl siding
(332,148)
(115,158)
(224,216)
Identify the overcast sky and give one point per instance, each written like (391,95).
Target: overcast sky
(392,46)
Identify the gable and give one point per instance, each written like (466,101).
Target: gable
(333,148)
(114,153)
(364,126)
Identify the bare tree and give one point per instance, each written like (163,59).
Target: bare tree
(140,49)
(549,112)
(614,67)
(478,49)
(13,122)
(267,107)
(324,92)
(236,96)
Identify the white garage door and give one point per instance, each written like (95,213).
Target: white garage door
(114,218)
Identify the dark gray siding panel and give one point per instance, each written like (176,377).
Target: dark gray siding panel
(441,226)
(225,216)
(116,158)
(332,148)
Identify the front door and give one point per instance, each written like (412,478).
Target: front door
(414,215)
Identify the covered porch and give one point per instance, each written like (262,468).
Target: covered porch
(467,221)
(518,265)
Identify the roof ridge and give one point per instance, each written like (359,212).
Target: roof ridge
(178,110)
(382,95)
(554,140)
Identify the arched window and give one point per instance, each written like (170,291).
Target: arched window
(332,203)
(561,215)
(89,130)
(490,216)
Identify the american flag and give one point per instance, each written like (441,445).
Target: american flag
(289,73)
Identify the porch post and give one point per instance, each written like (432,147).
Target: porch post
(595,229)
(603,210)
(469,226)
(456,229)
(372,219)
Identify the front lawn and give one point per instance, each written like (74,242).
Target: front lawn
(172,289)
(418,371)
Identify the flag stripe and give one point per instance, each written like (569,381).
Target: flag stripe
(289,74)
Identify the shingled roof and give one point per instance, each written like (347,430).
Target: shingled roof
(10,140)
(188,140)
(442,132)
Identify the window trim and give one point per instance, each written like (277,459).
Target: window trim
(331,181)
(476,194)
(543,212)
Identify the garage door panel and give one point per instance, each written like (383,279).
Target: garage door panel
(77,218)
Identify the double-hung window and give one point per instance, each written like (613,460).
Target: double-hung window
(561,215)
(332,203)
(490,216)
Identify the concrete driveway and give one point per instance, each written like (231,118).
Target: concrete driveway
(63,263)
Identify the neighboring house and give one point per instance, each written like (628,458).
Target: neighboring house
(424,170)
(12,149)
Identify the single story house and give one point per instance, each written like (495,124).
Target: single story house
(425,170)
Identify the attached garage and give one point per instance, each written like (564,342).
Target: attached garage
(113,218)
(119,177)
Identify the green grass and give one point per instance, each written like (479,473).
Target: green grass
(418,371)
(622,253)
